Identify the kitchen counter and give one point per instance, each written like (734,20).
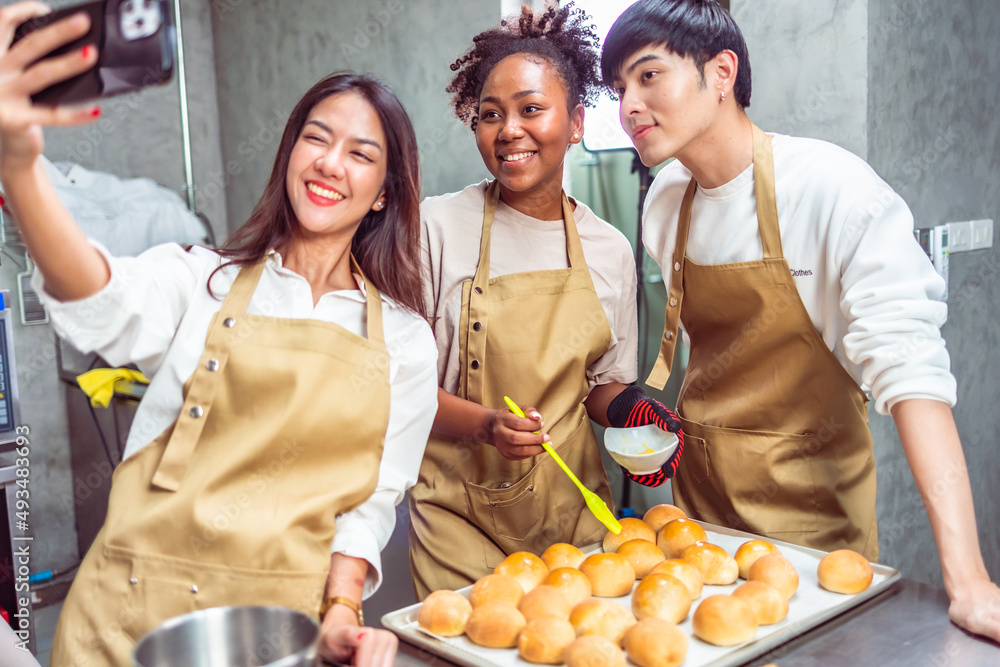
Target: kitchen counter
(906,626)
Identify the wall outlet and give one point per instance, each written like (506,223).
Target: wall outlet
(940,248)
(982,234)
(959,237)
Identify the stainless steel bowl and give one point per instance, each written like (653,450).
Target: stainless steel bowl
(231,637)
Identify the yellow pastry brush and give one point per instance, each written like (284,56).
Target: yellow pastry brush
(594,501)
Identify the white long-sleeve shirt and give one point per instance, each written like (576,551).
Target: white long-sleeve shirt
(868,287)
(155,313)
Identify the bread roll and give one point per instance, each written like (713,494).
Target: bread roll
(658,516)
(526,567)
(610,575)
(750,551)
(778,571)
(544,601)
(575,585)
(715,564)
(494,625)
(654,642)
(845,571)
(544,640)
(724,621)
(643,556)
(601,617)
(661,596)
(769,605)
(632,529)
(594,651)
(496,588)
(444,613)
(678,535)
(561,554)
(687,573)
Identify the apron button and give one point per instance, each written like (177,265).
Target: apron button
(477,326)
(196,412)
(212,365)
(677,266)
(475,364)
(505,485)
(673,302)
(478,290)
(229,323)
(194,589)
(133,581)
(669,335)
(531,488)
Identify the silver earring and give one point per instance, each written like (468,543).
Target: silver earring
(723,97)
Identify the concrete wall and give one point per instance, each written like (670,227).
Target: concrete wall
(933,135)
(268,53)
(138,135)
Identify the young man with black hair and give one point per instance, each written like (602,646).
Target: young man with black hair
(793,269)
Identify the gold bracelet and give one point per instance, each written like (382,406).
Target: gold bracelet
(347,602)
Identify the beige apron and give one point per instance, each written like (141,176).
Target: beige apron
(531,336)
(235,503)
(777,440)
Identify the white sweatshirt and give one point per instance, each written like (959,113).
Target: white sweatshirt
(848,237)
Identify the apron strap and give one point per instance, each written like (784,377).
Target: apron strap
(770,238)
(767,204)
(373,305)
(198,398)
(664,360)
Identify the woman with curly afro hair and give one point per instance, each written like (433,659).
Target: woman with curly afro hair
(531,295)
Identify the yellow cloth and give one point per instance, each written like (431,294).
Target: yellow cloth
(99,384)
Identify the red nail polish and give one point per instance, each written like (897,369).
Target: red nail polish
(361,636)
(87,50)
(95,112)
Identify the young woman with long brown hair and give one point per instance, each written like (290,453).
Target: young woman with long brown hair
(290,401)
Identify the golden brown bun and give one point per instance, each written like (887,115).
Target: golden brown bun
(544,601)
(610,575)
(778,571)
(561,554)
(654,642)
(524,566)
(601,617)
(496,588)
(643,556)
(678,535)
(685,572)
(575,585)
(632,529)
(750,551)
(544,640)
(594,651)
(494,625)
(661,596)
(769,605)
(845,571)
(715,564)
(444,613)
(724,621)
(658,516)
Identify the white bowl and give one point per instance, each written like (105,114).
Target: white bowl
(641,450)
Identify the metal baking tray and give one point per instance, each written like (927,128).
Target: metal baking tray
(811,606)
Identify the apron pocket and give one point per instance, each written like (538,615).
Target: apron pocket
(154,588)
(760,481)
(507,515)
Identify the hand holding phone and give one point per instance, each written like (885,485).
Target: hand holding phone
(135,43)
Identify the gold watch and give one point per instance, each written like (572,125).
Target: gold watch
(347,602)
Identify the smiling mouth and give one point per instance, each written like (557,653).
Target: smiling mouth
(320,191)
(641,131)
(517,157)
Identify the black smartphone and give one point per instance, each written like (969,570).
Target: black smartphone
(135,41)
